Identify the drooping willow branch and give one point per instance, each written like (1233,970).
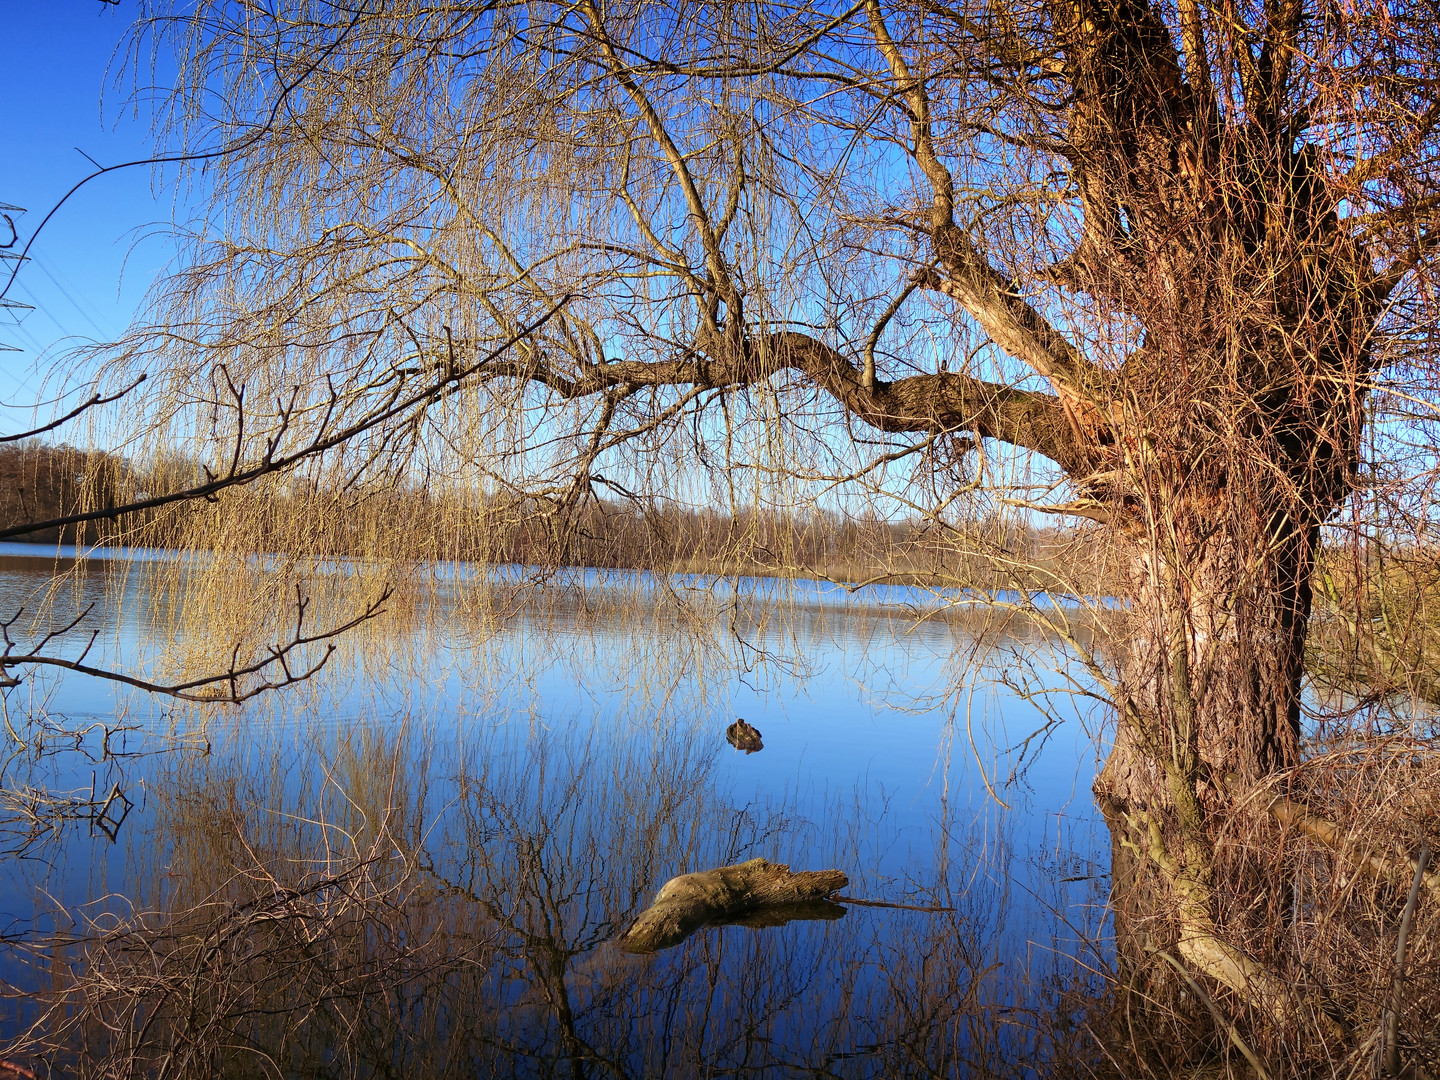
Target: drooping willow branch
(272,462)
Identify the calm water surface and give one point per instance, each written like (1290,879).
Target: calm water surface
(417,863)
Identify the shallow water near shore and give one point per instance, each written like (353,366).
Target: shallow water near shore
(418,860)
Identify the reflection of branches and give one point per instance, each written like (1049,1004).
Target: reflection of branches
(31,814)
(342,930)
(275,666)
(342,934)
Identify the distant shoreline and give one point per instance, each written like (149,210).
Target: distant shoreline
(67,557)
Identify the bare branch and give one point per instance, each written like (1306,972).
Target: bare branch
(230,686)
(271,463)
(92,402)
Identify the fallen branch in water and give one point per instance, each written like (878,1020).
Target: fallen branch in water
(889,904)
(726,894)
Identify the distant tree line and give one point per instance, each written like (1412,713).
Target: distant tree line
(1378,630)
(39,481)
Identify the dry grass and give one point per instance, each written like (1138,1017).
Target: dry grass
(1327,853)
(1377,634)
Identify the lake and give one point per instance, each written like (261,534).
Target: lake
(416,862)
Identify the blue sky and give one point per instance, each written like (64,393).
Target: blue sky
(93,262)
(65,96)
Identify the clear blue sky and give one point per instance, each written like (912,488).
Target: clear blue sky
(93,261)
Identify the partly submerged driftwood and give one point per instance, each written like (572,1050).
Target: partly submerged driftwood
(755,893)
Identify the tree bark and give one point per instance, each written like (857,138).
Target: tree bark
(1210,673)
(1208,694)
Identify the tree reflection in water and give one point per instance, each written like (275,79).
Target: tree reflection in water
(392,906)
(300,892)
(322,896)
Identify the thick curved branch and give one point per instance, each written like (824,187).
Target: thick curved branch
(949,401)
(986,294)
(991,300)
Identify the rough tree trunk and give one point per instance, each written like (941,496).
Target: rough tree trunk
(1209,685)
(1211,671)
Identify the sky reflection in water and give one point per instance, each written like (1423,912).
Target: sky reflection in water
(475,816)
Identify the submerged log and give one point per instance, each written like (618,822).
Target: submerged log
(756,893)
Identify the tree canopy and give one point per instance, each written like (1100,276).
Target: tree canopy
(1072,229)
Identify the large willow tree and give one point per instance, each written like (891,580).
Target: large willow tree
(1168,254)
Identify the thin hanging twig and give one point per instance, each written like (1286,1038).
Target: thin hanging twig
(1392,1022)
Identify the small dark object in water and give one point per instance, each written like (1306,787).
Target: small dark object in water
(743,737)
